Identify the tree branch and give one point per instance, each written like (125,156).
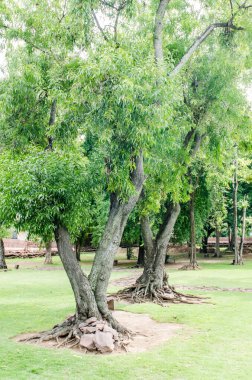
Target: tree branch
(27,41)
(158,29)
(199,41)
(63,12)
(99,26)
(169,221)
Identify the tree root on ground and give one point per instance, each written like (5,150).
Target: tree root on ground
(190,266)
(140,293)
(70,333)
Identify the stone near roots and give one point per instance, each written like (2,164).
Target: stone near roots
(87,329)
(90,320)
(112,331)
(104,341)
(100,326)
(87,341)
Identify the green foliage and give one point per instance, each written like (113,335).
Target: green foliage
(42,190)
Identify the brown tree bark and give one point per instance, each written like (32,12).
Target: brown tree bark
(77,250)
(235,212)
(2,255)
(110,241)
(217,245)
(140,257)
(48,255)
(244,211)
(193,259)
(86,305)
(155,249)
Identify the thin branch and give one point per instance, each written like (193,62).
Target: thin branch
(26,40)
(116,25)
(231,7)
(99,26)
(63,12)
(118,11)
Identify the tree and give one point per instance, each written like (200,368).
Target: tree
(2,249)
(244,211)
(120,98)
(153,281)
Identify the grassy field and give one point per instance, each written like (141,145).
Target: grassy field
(214,343)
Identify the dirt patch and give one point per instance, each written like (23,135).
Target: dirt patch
(214,288)
(127,281)
(147,333)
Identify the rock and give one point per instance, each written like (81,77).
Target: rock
(87,341)
(104,341)
(87,329)
(112,331)
(100,326)
(90,320)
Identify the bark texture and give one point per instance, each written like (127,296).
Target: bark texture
(109,244)
(153,285)
(2,255)
(217,245)
(86,306)
(158,29)
(237,259)
(244,211)
(48,255)
(140,257)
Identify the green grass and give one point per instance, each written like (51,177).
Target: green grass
(214,343)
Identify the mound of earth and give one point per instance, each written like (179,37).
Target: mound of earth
(145,335)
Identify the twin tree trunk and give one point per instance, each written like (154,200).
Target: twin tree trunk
(2,255)
(154,276)
(90,292)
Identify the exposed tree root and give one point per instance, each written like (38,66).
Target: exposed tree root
(71,331)
(140,293)
(190,266)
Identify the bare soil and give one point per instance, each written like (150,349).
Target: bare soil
(127,281)
(146,333)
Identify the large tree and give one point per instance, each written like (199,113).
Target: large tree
(115,92)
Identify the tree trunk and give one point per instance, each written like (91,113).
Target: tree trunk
(243,234)
(204,244)
(235,228)
(140,258)
(129,253)
(110,241)
(48,255)
(77,250)
(86,306)
(162,241)
(193,260)
(217,245)
(155,250)
(2,255)
(230,239)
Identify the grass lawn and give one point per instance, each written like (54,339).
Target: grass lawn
(214,343)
